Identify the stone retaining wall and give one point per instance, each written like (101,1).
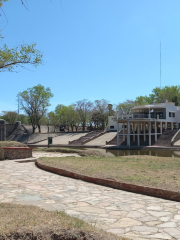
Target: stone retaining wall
(17,153)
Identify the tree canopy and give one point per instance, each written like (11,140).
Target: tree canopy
(2,1)
(159,95)
(100,112)
(83,108)
(34,102)
(9,116)
(18,56)
(125,107)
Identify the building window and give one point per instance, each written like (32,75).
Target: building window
(171,114)
(111,127)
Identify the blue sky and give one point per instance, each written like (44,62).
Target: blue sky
(93,49)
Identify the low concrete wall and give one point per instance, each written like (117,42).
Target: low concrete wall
(17,153)
(2,130)
(175,138)
(1,153)
(10,128)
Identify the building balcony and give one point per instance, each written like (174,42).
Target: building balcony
(146,115)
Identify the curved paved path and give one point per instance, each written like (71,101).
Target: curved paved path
(123,213)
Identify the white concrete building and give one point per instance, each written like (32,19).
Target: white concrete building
(112,122)
(147,121)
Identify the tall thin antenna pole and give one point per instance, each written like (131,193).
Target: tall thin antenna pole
(160,64)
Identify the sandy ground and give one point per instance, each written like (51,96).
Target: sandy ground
(52,154)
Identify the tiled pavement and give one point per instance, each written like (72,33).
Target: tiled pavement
(123,213)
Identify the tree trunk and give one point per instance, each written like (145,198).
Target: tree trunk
(39,128)
(72,126)
(102,125)
(34,128)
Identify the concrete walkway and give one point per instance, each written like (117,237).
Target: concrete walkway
(177,143)
(126,214)
(101,141)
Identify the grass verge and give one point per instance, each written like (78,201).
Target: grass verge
(11,144)
(159,172)
(30,222)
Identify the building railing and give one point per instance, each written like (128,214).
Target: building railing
(146,115)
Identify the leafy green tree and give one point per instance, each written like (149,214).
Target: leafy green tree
(142,100)
(9,116)
(72,117)
(125,107)
(110,109)
(172,94)
(44,120)
(83,109)
(24,119)
(159,95)
(53,119)
(19,57)
(34,102)
(67,116)
(100,112)
(60,112)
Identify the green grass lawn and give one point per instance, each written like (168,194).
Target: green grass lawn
(160,172)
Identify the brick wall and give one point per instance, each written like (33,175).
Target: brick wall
(17,153)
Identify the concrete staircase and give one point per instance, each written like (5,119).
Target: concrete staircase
(164,140)
(19,134)
(114,140)
(87,138)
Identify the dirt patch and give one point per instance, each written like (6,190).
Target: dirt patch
(46,234)
(30,222)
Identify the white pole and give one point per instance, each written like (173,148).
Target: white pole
(117,131)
